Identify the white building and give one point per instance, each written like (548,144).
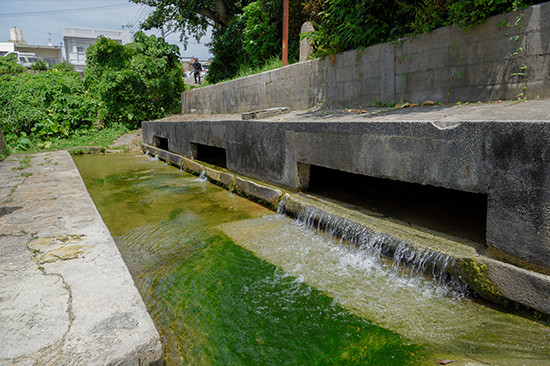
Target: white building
(77,41)
(31,53)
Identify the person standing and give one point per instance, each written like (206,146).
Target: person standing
(197,68)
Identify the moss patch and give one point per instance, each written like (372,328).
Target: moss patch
(475,274)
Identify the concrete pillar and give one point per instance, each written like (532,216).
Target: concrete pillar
(305,45)
(387,74)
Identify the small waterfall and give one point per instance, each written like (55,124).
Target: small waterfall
(426,262)
(408,260)
(345,230)
(281,210)
(202,177)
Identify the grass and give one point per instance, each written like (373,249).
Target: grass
(101,138)
(23,164)
(271,64)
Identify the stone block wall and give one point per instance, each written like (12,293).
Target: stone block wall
(507,57)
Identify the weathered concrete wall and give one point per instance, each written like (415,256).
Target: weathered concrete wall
(506,161)
(488,62)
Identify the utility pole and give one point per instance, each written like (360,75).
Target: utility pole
(285,32)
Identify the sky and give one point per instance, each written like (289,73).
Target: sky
(42,21)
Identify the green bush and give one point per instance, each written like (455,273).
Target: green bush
(49,104)
(9,65)
(137,81)
(40,65)
(261,38)
(63,66)
(254,38)
(227,48)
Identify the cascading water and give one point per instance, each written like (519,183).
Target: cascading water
(264,300)
(407,260)
(202,177)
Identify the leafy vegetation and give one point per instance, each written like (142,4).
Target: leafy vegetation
(247,34)
(9,66)
(342,25)
(133,82)
(40,107)
(123,85)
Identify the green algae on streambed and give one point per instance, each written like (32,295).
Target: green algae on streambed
(229,282)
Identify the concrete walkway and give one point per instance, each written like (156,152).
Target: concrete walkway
(66,296)
(451,114)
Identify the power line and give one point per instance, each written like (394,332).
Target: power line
(65,11)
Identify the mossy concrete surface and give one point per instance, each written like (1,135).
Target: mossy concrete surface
(66,295)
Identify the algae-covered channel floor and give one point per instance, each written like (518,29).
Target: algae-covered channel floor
(227,281)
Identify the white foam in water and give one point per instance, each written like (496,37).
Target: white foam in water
(202,177)
(154,158)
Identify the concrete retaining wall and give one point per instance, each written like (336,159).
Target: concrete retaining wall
(489,62)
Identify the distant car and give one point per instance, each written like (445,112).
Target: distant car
(27,59)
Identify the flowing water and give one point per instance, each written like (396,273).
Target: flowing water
(229,282)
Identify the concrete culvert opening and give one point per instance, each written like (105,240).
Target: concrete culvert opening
(160,142)
(209,154)
(448,211)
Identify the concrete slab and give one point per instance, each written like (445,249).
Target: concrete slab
(66,295)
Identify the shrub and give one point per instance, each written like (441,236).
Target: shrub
(45,105)
(9,65)
(39,65)
(137,81)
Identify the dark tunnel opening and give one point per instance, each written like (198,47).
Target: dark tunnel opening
(210,154)
(448,211)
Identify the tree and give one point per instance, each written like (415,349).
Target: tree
(133,82)
(245,32)
(191,16)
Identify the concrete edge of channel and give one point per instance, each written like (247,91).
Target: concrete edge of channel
(67,296)
(494,280)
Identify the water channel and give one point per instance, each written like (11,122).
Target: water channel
(227,281)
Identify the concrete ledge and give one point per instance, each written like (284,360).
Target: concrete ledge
(265,113)
(267,194)
(523,286)
(245,187)
(225,179)
(66,295)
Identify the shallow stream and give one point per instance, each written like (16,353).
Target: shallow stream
(229,282)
